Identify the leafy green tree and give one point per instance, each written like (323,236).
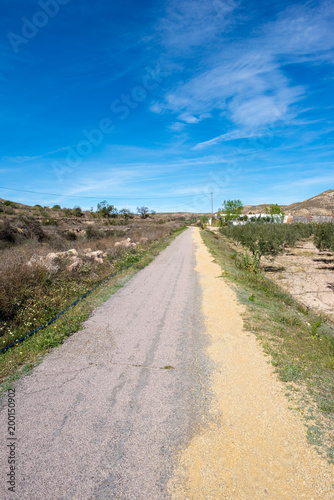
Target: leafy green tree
(324,236)
(276,210)
(125,211)
(77,212)
(231,209)
(106,210)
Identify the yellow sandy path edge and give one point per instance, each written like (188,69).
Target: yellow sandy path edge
(254,447)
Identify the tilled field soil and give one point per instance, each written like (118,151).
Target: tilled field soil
(307,274)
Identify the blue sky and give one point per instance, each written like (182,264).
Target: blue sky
(163,102)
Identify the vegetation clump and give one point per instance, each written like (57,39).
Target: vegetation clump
(265,240)
(15,231)
(324,236)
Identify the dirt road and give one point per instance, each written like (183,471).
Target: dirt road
(161,395)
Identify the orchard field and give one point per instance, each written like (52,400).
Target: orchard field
(261,239)
(298,257)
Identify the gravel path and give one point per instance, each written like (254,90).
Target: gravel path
(100,417)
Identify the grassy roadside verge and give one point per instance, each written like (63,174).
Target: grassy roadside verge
(20,359)
(300,343)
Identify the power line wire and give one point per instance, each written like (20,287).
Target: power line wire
(99,196)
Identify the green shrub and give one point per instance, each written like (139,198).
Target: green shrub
(77,212)
(49,221)
(70,235)
(93,232)
(324,236)
(128,258)
(246,261)
(7,232)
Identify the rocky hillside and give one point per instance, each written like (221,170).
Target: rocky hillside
(322,204)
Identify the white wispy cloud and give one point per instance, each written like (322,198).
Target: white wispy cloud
(189,24)
(245,81)
(248,90)
(302,30)
(229,136)
(177,126)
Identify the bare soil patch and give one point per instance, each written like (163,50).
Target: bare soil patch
(307,274)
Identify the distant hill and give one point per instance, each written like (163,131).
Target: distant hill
(322,204)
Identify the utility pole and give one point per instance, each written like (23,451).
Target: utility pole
(212,205)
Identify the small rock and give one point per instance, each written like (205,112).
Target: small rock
(51,267)
(76,264)
(52,257)
(36,260)
(73,251)
(97,253)
(125,243)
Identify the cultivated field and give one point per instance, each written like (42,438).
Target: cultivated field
(307,274)
(299,257)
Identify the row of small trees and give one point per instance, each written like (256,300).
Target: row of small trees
(104,209)
(267,240)
(270,240)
